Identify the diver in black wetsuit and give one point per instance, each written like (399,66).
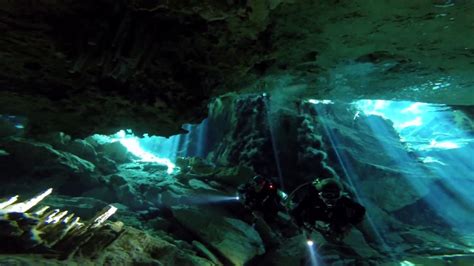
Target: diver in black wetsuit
(260,194)
(327,209)
(264,200)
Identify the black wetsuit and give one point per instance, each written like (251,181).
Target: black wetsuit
(266,200)
(311,209)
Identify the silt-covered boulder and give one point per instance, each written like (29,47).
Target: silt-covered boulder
(233,239)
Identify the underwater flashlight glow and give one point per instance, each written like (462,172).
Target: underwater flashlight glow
(207,199)
(314,101)
(313,256)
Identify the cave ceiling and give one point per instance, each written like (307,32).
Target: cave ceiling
(97,66)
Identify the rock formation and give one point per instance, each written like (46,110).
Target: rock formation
(98,67)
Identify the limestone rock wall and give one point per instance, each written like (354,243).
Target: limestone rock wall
(244,130)
(100,66)
(270,137)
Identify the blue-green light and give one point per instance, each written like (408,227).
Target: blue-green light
(131,142)
(421,126)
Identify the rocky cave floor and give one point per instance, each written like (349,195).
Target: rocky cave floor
(183,218)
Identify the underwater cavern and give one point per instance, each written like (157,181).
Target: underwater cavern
(255,132)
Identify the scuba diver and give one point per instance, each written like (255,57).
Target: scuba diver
(264,200)
(262,195)
(327,209)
